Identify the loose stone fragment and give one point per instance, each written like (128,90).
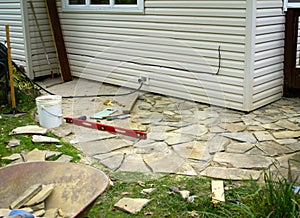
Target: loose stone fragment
(148,191)
(41,196)
(217,191)
(13,143)
(64,158)
(30,129)
(27,195)
(34,155)
(12,157)
(39,138)
(132,205)
(184,194)
(40,213)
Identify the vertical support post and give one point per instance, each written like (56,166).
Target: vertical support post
(10,70)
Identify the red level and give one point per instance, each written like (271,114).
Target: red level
(108,128)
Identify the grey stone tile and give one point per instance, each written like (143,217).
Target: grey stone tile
(133,163)
(241,136)
(237,147)
(231,173)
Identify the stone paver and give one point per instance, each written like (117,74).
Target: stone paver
(189,138)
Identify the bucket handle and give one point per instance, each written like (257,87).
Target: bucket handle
(55,115)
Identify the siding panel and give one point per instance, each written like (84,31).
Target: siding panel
(175,43)
(269,50)
(11,14)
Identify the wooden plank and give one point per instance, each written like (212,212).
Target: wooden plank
(58,40)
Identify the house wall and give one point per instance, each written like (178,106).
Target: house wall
(42,49)
(175,44)
(269,52)
(11,14)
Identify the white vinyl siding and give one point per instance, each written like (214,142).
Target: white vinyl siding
(40,65)
(269,52)
(174,43)
(11,14)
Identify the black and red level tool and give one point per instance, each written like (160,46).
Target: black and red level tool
(108,128)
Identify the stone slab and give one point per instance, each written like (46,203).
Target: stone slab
(41,195)
(133,163)
(241,136)
(263,136)
(231,173)
(110,161)
(196,150)
(157,147)
(35,155)
(195,130)
(164,163)
(287,125)
(272,148)
(245,161)
(132,205)
(237,147)
(45,139)
(28,194)
(177,138)
(286,134)
(30,129)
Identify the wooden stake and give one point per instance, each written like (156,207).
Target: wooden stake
(10,70)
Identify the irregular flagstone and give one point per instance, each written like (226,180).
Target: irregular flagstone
(40,138)
(255,128)
(161,128)
(286,134)
(133,163)
(49,154)
(230,117)
(84,135)
(12,157)
(295,119)
(199,165)
(157,136)
(286,141)
(157,147)
(294,146)
(132,205)
(24,197)
(294,171)
(193,150)
(186,169)
(263,136)
(217,144)
(272,148)
(241,148)
(195,130)
(245,161)
(30,129)
(287,125)
(41,195)
(103,146)
(112,162)
(233,127)
(65,158)
(231,173)
(13,143)
(177,138)
(241,136)
(265,119)
(256,151)
(283,160)
(216,129)
(272,126)
(143,143)
(203,115)
(164,163)
(35,155)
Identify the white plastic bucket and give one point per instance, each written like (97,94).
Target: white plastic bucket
(49,110)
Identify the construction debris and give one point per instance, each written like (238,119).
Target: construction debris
(217,190)
(30,129)
(132,205)
(46,139)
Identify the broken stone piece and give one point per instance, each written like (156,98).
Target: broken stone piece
(26,196)
(148,191)
(132,205)
(51,213)
(13,143)
(39,213)
(184,194)
(46,139)
(39,206)
(217,189)
(13,157)
(64,158)
(34,155)
(30,129)
(41,196)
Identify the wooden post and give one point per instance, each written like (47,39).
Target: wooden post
(58,40)
(10,70)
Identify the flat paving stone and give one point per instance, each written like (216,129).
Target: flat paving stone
(177,138)
(294,146)
(272,126)
(287,125)
(217,144)
(164,163)
(195,130)
(156,147)
(193,150)
(272,148)
(231,173)
(132,205)
(286,134)
(233,127)
(103,146)
(263,136)
(113,161)
(133,163)
(237,147)
(245,161)
(241,136)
